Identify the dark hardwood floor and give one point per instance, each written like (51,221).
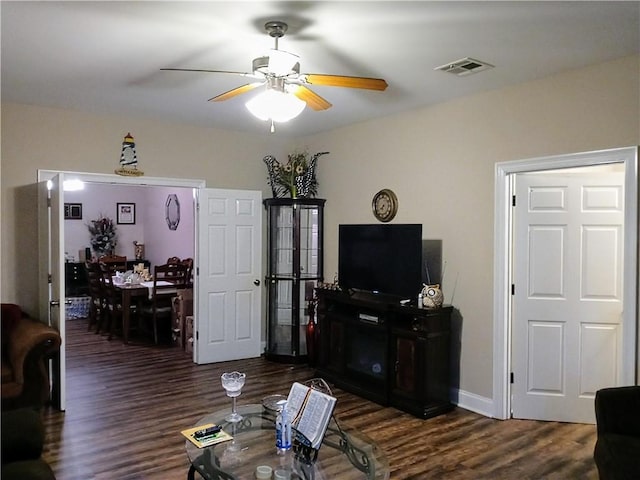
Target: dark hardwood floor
(126,405)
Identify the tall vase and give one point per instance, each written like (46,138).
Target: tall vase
(311,341)
(311,333)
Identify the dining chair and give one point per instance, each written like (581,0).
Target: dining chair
(113,299)
(188,262)
(98,308)
(115,262)
(167,279)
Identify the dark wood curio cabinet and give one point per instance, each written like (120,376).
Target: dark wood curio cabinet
(389,353)
(294,267)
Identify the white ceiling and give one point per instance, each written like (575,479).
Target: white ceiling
(105,57)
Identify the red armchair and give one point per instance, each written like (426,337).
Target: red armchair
(26,345)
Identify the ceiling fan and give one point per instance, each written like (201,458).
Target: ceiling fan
(279,71)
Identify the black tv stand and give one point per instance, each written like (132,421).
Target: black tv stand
(389,353)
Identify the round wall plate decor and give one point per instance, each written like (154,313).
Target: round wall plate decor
(385,205)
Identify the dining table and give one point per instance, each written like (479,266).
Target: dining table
(129,291)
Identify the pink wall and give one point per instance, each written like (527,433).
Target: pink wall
(162,243)
(150,225)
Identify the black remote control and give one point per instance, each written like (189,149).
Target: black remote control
(206,432)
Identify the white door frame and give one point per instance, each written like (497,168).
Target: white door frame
(503,266)
(51,277)
(44,175)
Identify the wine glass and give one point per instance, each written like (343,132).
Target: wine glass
(233,382)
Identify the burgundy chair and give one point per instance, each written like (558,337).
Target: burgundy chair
(27,344)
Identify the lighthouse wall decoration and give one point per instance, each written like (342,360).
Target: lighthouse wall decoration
(129,159)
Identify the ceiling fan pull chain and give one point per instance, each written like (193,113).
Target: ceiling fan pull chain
(273,127)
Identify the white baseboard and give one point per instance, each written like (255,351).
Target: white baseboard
(475,403)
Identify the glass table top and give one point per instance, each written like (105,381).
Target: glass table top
(345,453)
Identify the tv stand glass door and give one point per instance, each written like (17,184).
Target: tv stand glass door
(294,267)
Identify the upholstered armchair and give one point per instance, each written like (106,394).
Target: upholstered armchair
(26,345)
(617,450)
(23,437)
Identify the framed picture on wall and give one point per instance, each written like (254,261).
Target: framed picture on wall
(73,211)
(126,213)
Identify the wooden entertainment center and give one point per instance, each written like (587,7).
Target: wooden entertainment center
(389,353)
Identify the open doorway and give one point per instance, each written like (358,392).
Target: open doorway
(150,225)
(51,249)
(227,265)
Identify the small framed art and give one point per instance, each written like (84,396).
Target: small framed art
(73,211)
(126,214)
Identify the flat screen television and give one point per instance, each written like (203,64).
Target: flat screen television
(381,258)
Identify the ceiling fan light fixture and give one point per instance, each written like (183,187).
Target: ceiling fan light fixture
(275,105)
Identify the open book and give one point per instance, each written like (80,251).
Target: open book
(310,411)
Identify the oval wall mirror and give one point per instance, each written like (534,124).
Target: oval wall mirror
(173,211)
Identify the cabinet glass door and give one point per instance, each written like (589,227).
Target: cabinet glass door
(294,268)
(296,223)
(282,254)
(309,243)
(287,334)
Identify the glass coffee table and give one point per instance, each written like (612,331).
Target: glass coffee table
(345,453)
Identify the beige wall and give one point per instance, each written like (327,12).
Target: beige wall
(43,138)
(438,160)
(440,163)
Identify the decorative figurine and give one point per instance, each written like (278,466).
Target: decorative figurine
(138,250)
(432,296)
(129,159)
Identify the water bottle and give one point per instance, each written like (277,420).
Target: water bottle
(283,431)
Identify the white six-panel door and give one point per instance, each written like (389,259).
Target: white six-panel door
(567,303)
(229,292)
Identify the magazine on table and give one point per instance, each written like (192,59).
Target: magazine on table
(310,411)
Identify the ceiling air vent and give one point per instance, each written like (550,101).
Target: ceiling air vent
(464,66)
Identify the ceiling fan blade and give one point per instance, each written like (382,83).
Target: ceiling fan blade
(344,81)
(236,91)
(244,74)
(312,99)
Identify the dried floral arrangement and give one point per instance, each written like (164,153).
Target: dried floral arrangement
(296,178)
(103,235)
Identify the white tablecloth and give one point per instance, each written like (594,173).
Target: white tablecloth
(161,283)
